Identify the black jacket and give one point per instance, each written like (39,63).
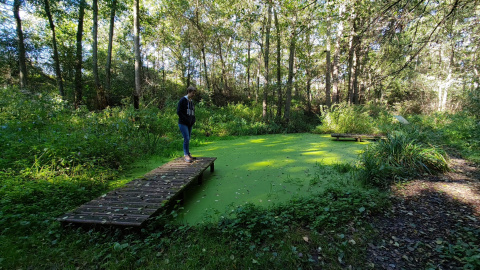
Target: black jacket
(186,112)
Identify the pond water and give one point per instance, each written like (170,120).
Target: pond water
(263,170)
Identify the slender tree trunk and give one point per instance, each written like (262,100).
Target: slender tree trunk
(309,91)
(189,63)
(205,66)
(248,63)
(259,64)
(78,61)
(356,71)
(224,68)
(56,60)
(138,59)
(110,47)
(308,71)
(336,56)
(266,58)
(279,67)
(101,100)
(328,72)
(351,55)
(95,44)
(288,98)
(22,59)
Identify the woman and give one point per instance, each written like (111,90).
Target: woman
(186,120)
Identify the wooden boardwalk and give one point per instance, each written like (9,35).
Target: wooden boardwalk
(358,137)
(132,204)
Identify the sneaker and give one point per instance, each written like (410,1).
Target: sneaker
(190,156)
(188,159)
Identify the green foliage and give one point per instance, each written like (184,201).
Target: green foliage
(47,135)
(398,157)
(473,102)
(459,131)
(240,119)
(346,118)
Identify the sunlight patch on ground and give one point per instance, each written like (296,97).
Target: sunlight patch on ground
(462,193)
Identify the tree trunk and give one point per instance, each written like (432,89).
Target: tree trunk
(138,64)
(110,47)
(249,64)
(224,68)
(351,55)
(78,61)
(288,98)
(309,71)
(189,63)
(328,84)
(205,66)
(101,101)
(279,66)
(56,60)
(22,59)
(336,56)
(266,58)
(356,71)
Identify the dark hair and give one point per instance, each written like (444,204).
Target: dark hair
(191,88)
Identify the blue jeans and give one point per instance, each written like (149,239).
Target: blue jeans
(186,132)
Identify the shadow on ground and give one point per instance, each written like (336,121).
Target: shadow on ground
(434,223)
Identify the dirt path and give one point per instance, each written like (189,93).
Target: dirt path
(434,222)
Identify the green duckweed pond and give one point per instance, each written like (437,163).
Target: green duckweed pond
(264,170)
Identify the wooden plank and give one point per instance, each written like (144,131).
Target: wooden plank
(358,137)
(140,199)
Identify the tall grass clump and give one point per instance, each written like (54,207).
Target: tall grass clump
(347,118)
(399,157)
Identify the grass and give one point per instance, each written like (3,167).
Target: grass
(400,157)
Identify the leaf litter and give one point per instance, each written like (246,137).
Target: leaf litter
(431,220)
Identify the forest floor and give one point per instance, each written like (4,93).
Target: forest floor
(433,219)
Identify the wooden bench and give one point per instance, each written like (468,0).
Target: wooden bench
(140,199)
(358,137)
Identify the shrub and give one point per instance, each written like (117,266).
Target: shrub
(397,157)
(346,118)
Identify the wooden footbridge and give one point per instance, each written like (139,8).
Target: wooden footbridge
(358,137)
(140,199)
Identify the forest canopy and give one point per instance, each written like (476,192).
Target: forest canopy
(414,56)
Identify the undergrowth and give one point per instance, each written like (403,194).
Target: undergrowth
(346,118)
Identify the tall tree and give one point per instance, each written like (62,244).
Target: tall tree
(101,100)
(138,64)
(351,52)
(267,59)
(336,54)
(79,52)
(291,59)
(279,65)
(108,66)
(328,71)
(22,59)
(56,60)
